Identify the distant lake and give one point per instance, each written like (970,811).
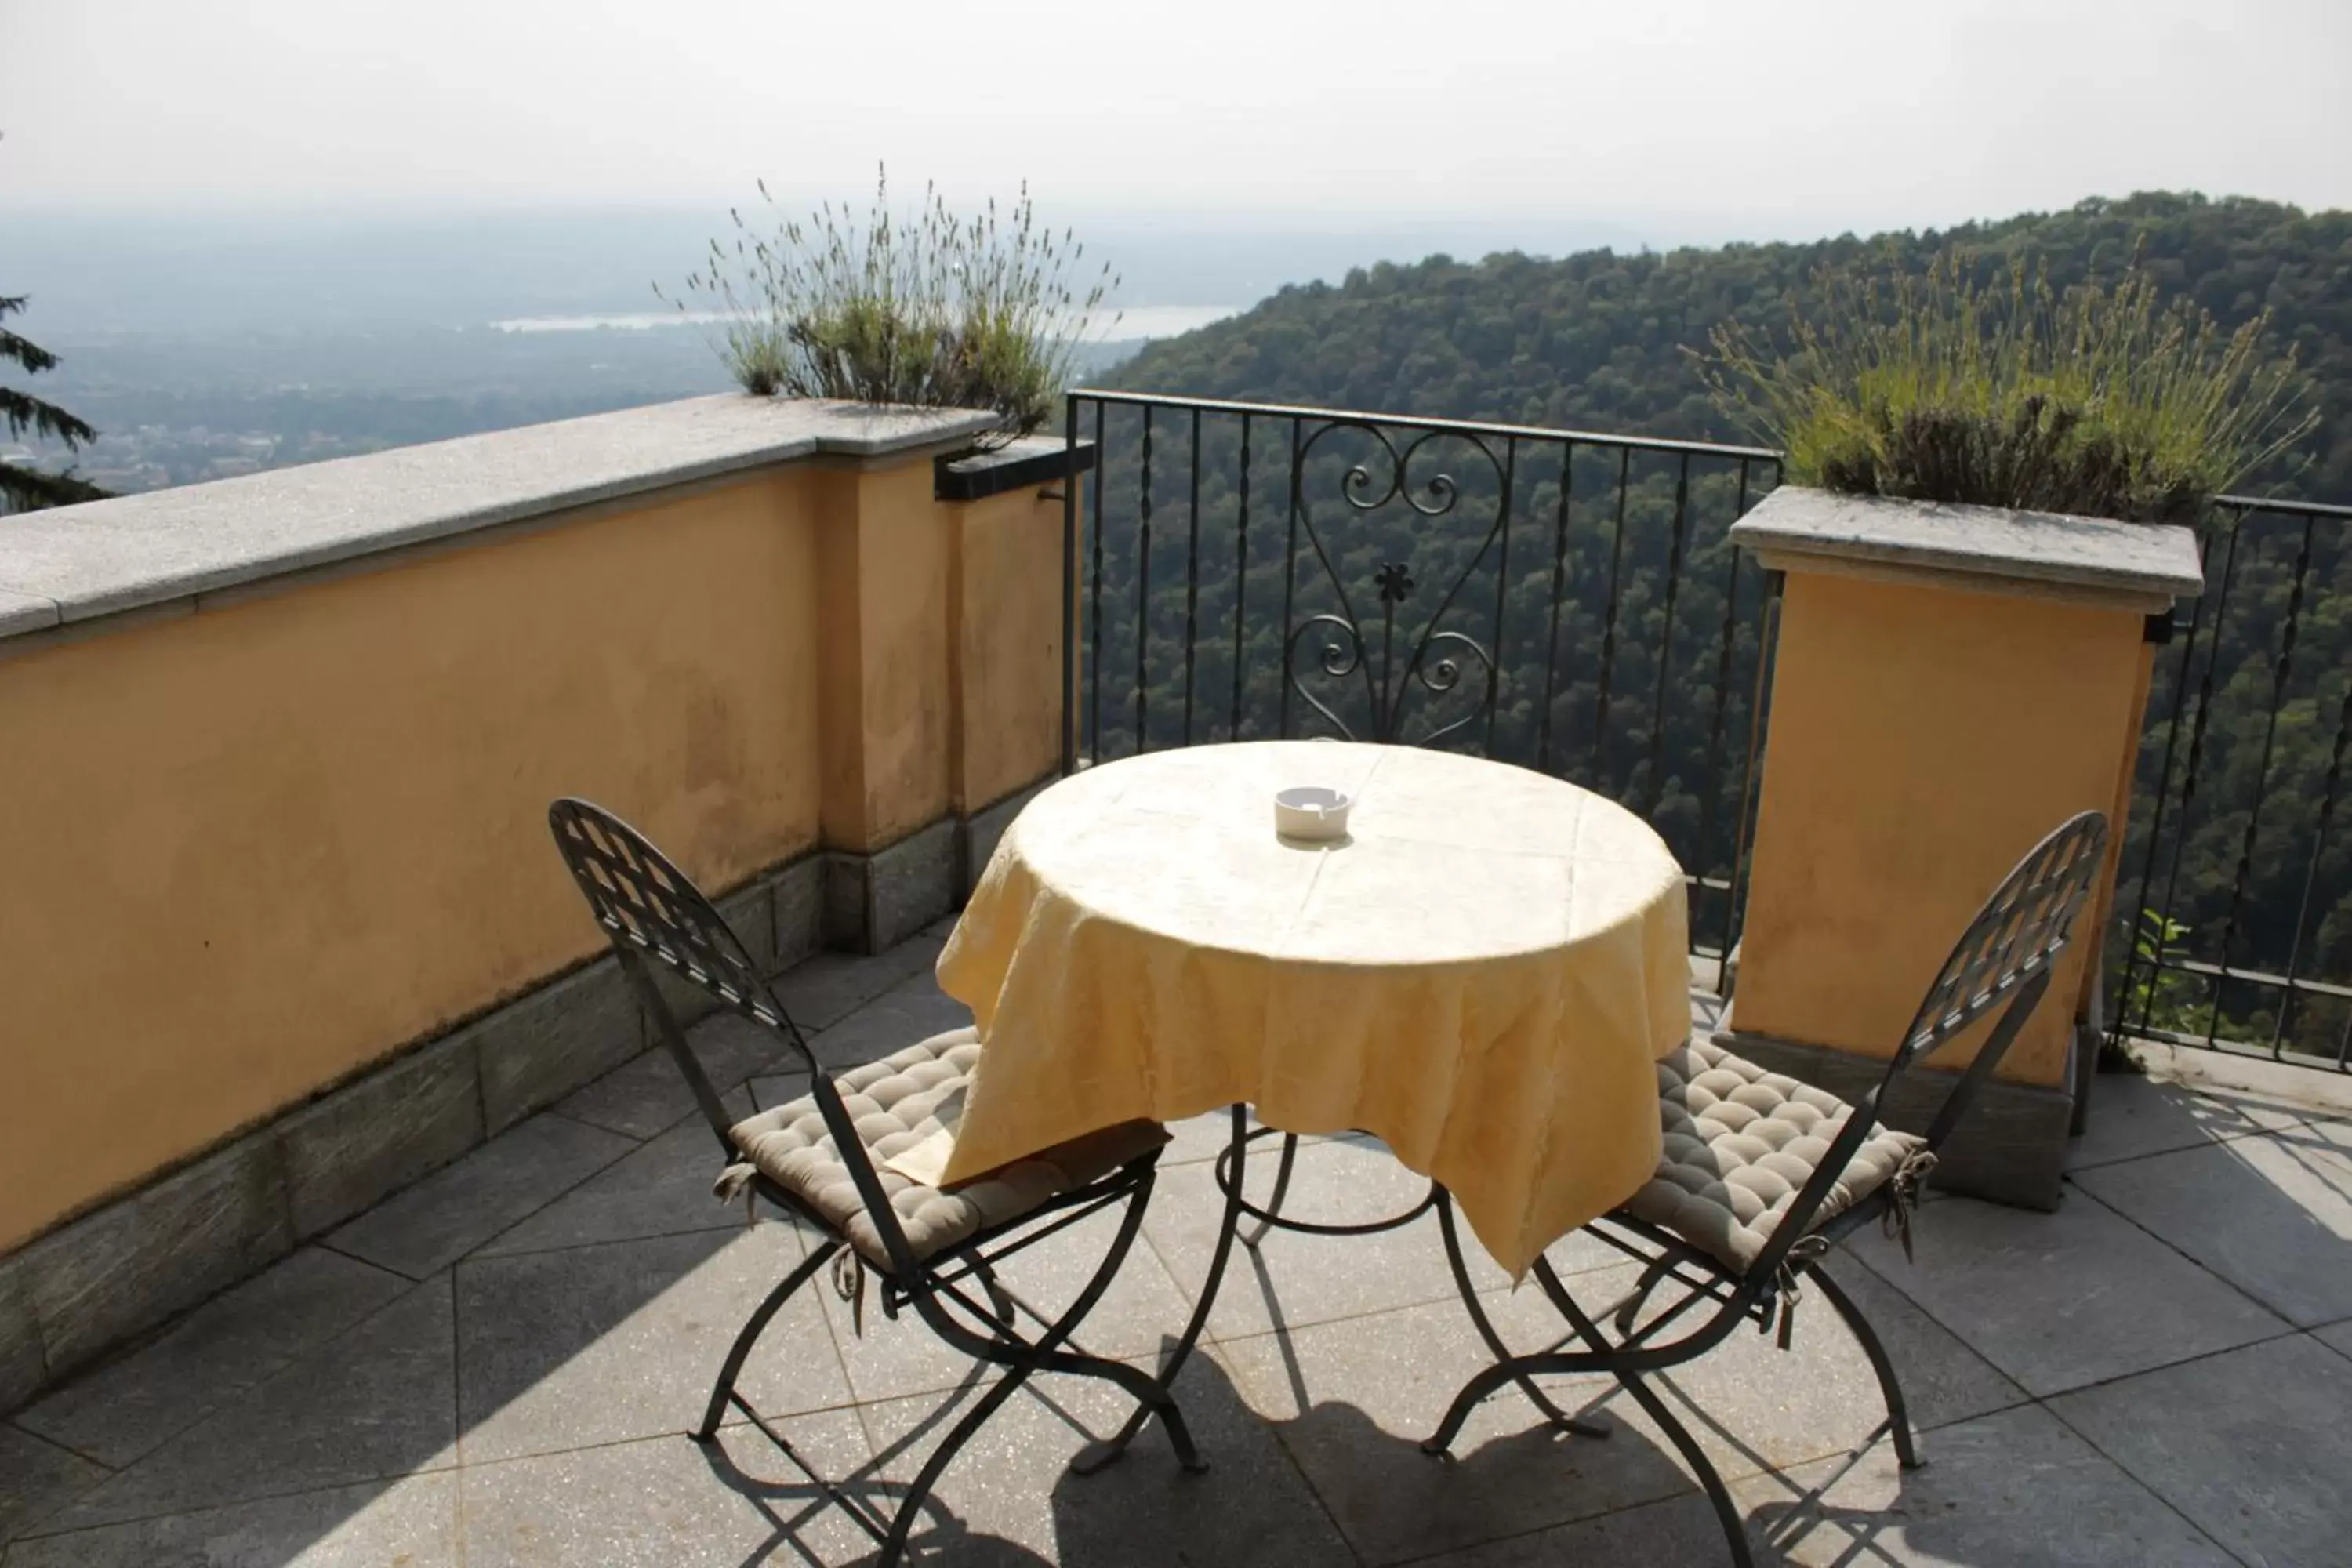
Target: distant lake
(1141,321)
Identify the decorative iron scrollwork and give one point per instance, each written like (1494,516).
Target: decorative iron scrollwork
(1394,662)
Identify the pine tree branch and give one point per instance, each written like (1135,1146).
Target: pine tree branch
(32,356)
(31,489)
(22,411)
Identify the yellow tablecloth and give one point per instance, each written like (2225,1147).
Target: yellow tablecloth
(1482,973)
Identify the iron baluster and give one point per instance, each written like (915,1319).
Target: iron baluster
(1609,625)
(2197,743)
(1241,579)
(1667,637)
(1070,584)
(2262,771)
(1192,580)
(1559,576)
(1502,573)
(1143,591)
(1707,798)
(1093,682)
(2117,1030)
(2311,872)
(1289,582)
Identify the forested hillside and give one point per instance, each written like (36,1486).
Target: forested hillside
(1624,637)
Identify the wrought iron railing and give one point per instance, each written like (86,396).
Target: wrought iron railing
(1562,600)
(2234,900)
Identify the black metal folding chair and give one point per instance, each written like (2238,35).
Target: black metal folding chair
(822,1158)
(1762,1175)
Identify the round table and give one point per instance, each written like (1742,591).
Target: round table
(1481,973)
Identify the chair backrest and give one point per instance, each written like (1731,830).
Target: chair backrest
(653,912)
(2005,955)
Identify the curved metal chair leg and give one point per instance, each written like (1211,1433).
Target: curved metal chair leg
(1502,1353)
(724,1390)
(1099,1456)
(1898,1416)
(1726,1514)
(1281,1187)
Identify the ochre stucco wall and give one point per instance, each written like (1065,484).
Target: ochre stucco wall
(1922,738)
(1008,647)
(251,849)
(885,563)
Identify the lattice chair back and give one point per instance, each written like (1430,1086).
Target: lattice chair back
(653,912)
(2006,955)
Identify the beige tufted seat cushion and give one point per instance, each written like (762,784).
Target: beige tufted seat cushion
(1740,1142)
(896,1103)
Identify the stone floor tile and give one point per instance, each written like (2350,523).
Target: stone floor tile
(1009,1498)
(820,991)
(1680,1532)
(668,1502)
(597,1344)
(646,1095)
(2132,1115)
(1199,1138)
(1353,1400)
(36,1479)
(662,1189)
(2252,1445)
(2338,1335)
(768,1092)
(1295,1278)
(2058,1301)
(913,1009)
(1141,1310)
(2016,1489)
(450,1212)
(411,1522)
(1754,1406)
(130,1406)
(378,1402)
(2297,1090)
(2271,1215)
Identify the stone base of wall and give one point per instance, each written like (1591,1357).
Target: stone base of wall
(70,1296)
(2010,1147)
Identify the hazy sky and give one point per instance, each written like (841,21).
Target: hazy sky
(1732,115)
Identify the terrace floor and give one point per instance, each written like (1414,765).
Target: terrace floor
(498,1365)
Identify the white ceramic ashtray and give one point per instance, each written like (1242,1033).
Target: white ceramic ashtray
(1311,811)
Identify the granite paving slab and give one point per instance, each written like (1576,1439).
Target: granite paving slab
(130,1406)
(376,1403)
(1352,1400)
(667,1503)
(411,1522)
(1009,1498)
(1294,1279)
(2272,1215)
(913,1009)
(822,991)
(600,1344)
(2059,1300)
(2132,1115)
(450,1212)
(2252,1445)
(2015,1488)
(644,1097)
(38,1479)
(661,1189)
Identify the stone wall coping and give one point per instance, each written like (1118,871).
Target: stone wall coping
(1796,526)
(102,558)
